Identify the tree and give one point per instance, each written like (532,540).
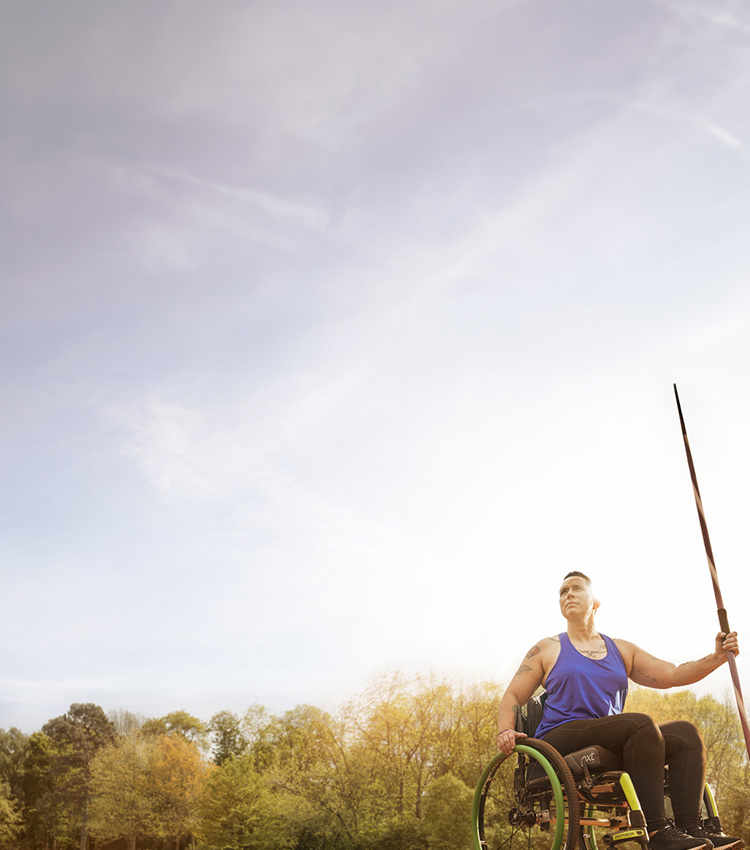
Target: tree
(13,746)
(177,776)
(77,735)
(409,726)
(226,736)
(257,729)
(473,744)
(398,833)
(307,756)
(125,722)
(122,804)
(178,723)
(387,727)
(447,808)
(10,817)
(46,816)
(238,810)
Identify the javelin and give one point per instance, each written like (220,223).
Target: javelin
(720,609)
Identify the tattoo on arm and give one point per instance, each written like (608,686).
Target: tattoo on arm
(533,651)
(524,668)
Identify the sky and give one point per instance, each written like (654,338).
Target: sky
(332,335)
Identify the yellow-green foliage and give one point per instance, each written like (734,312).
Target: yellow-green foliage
(394,769)
(10,818)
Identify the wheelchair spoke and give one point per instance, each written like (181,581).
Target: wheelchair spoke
(534,832)
(517,816)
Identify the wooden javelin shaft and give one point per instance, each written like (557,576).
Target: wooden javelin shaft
(720,609)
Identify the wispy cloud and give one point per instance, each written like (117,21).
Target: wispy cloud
(663,107)
(182,211)
(722,134)
(168,442)
(277,207)
(188,452)
(708,12)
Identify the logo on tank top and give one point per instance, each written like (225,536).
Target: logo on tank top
(616,705)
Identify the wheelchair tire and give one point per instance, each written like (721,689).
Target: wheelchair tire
(561,781)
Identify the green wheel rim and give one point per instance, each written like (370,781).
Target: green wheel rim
(488,774)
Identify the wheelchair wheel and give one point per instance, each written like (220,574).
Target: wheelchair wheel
(517,814)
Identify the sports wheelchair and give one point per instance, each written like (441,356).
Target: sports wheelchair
(550,801)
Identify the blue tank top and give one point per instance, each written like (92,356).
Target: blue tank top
(578,686)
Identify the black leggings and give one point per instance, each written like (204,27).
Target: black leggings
(644,749)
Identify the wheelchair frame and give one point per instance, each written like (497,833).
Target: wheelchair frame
(603,798)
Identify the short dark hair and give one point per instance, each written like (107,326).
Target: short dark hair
(576,573)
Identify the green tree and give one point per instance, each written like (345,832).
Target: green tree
(310,758)
(13,747)
(410,728)
(46,817)
(238,810)
(397,833)
(447,809)
(10,817)
(122,804)
(227,737)
(258,731)
(77,735)
(473,743)
(387,726)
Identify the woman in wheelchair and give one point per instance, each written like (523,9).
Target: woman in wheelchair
(585,675)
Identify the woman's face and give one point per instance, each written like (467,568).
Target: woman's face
(576,598)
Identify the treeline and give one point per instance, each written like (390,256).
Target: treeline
(393,770)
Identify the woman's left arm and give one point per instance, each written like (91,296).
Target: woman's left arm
(656,673)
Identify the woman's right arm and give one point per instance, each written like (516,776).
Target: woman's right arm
(527,679)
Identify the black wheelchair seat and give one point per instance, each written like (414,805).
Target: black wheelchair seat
(593,759)
(582,763)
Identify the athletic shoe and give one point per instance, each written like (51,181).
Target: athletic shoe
(670,838)
(718,839)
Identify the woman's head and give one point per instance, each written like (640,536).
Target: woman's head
(577,600)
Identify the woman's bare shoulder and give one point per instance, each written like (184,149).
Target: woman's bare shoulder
(627,650)
(549,647)
(543,649)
